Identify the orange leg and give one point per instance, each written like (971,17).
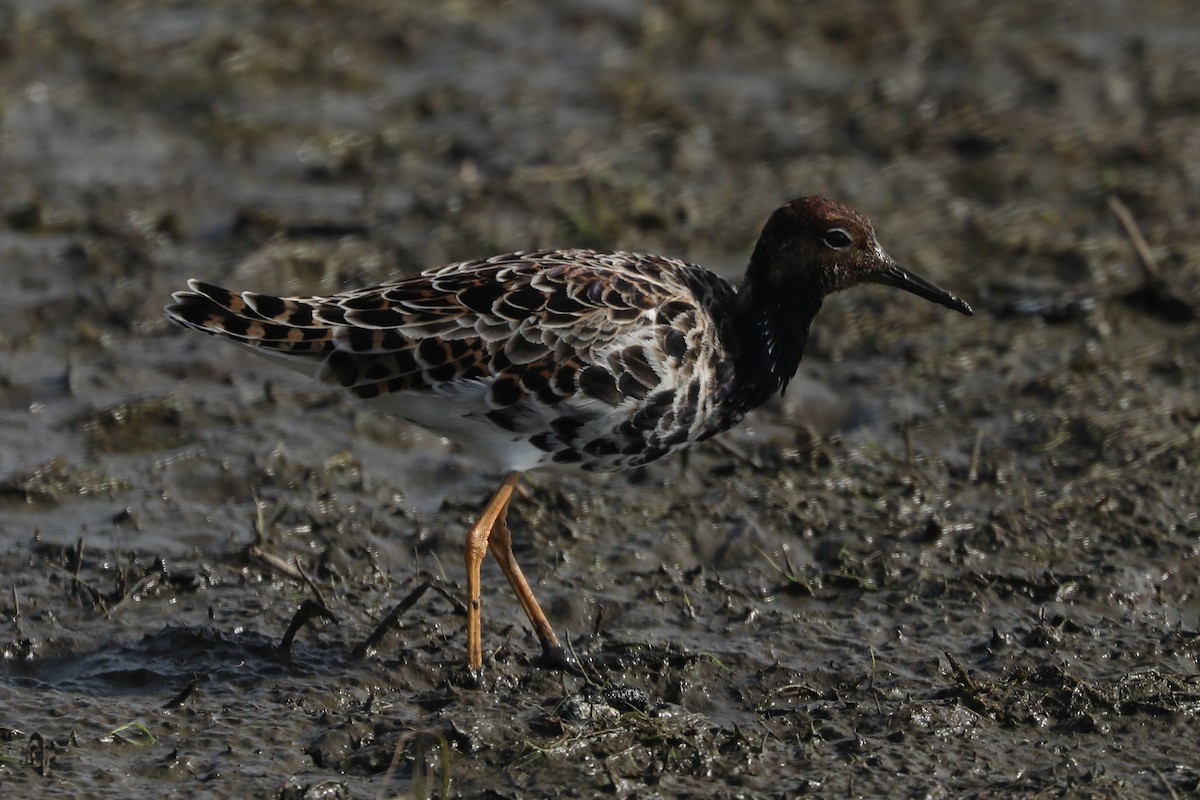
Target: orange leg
(501,546)
(476,549)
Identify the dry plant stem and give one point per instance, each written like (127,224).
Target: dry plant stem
(1149,264)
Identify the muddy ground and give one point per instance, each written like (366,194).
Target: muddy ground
(959,558)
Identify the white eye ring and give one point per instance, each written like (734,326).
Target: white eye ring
(837,239)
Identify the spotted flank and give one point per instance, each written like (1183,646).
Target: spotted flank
(602,360)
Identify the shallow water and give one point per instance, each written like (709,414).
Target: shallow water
(958,558)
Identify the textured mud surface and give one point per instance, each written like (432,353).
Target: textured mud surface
(959,557)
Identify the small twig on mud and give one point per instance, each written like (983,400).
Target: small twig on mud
(142,585)
(360,651)
(93,592)
(960,675)
(190,689)
(875,692)
(968,691)
(591,680)
(261,523)
(187,692)
(78,565)
(308,610)
(1147,259)
(795,581)
(1170,789)
(973,470)
(1155,293)
(256,553)
(316,590)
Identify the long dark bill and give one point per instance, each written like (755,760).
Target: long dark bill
(904,278)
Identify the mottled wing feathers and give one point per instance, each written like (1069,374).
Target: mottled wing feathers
(545,310)
(606,359)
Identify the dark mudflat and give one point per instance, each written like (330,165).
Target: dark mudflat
(957,559)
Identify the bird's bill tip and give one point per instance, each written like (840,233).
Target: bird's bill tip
(902,277)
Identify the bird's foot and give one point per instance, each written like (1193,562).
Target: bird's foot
(555,656)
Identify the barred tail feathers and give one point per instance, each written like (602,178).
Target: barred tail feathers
(286,325)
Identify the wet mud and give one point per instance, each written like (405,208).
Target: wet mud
(957,558)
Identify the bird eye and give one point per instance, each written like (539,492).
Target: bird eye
(837,238)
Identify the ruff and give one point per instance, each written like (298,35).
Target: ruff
(602,360)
